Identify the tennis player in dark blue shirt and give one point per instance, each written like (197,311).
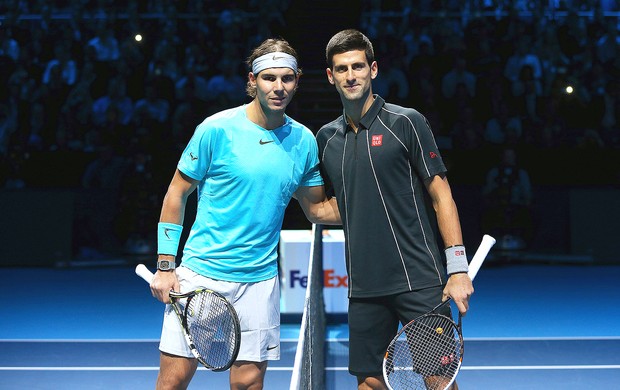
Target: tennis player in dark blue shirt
(394,199)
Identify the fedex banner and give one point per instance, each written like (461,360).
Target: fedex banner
(294,259)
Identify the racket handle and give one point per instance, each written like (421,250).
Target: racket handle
(480,255)
(144,273)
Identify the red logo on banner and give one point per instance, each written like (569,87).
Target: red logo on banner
(377,140)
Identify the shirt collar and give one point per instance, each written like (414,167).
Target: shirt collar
(369,116)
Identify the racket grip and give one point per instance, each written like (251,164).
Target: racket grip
(480,255)
(144,273)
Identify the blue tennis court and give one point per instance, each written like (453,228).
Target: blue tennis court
(532,326)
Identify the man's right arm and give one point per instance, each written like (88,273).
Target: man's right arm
(172,212)
(316,206)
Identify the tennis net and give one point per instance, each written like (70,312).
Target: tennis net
(309,368)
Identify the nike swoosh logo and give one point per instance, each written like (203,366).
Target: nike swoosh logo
(269,348)
(275,58)
(166,230)
(264,142)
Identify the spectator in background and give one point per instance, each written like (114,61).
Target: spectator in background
(164,61)
(77,114)
(527,94)
(610,126)
(196,59)
(116,98)
(138,204)
(151,110)
(552,59)
(608,45)
(522,55)
(63,63)
(225,87)
(104,44)
(392,82)
(467,132)
(9,47)
(191,85)
(458,75)
(553,132)
(504,128)
(8,125)
(508,199)
(96,209)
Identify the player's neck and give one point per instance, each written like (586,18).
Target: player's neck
(355,110)
(264,118)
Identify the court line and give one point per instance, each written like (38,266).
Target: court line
(285,340)
(558,338)
(464,368)
(334,340)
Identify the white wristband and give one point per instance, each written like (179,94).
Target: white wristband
(456,259)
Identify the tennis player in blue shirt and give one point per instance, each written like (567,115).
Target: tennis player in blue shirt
(246,163)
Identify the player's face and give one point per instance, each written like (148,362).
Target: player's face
(275,88)
(352,75)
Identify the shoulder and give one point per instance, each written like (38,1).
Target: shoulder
(329,129)
(220,122)
(400,111)
(405,116)
(222,118)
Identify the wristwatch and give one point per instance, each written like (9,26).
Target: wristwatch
(166,265)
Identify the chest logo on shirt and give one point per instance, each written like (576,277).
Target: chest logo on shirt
(377,140)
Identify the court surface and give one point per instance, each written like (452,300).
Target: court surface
(530,327)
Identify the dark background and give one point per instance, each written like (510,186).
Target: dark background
(79,187)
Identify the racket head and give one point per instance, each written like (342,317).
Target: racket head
(425,354)
(211,327)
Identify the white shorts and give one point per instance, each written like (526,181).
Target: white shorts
(257,305)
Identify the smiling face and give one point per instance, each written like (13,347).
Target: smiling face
(352,76)
(275,87)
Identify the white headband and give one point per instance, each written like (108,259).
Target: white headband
(274,60)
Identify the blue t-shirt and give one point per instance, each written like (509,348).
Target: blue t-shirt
(247,177)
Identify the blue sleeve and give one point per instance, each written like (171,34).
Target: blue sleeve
(196,157)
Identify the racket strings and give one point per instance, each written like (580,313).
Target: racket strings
(426,356)
(212,328)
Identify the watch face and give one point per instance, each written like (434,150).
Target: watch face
(163,265)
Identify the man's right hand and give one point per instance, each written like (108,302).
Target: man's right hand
(162,283)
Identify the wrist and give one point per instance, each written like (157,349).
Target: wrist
(456,259)
(166,264)
(168,238)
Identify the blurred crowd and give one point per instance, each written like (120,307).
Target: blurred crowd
(529,77)
(122,81)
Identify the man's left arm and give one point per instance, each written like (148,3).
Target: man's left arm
(459,286)
(316,206)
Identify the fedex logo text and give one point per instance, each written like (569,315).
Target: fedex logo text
(330,279)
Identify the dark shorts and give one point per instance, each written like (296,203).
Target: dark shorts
(373,322)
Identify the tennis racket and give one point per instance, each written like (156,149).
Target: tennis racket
(210,324)
(427,352)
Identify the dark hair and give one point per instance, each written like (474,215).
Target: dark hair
(347,40)
(270,45)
